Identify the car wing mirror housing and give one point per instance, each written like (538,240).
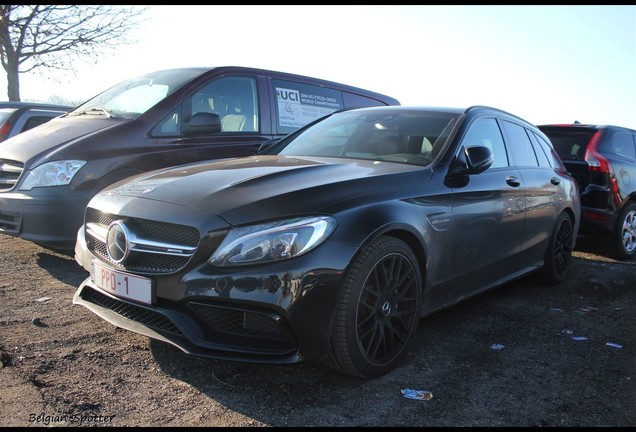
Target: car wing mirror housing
(472,160)
(203,123)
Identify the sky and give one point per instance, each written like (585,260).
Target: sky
(546,64)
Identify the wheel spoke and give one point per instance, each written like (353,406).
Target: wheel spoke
(387,309)
(563,248)
(629,231)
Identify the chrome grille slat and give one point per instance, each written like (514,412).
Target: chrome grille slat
(157,247)
(10,171)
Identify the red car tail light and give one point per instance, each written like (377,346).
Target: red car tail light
(4,130)
(596,216)
(594,159)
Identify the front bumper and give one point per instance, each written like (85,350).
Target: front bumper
(46,216)
(279,313)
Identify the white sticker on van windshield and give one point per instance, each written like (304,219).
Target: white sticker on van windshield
(297,108)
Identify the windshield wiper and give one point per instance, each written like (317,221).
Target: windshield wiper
(96,111)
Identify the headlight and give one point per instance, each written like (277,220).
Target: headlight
(274,241)
(56,173)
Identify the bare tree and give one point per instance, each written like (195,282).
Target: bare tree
(53,36)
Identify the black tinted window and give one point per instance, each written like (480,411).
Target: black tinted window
(519,145)
(553,157)
(621,145)
(539,150)
(354,100)
(485,132)
(570,144)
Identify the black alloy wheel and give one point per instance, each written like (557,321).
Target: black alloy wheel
(559,251)
(625,232)
(378,310)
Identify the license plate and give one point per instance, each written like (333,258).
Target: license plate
(122,284)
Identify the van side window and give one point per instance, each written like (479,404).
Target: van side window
(486,133)
(352,100)
(298,104)
(234,99)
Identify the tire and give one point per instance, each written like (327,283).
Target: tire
(624,235)
(378,310)
(559,251)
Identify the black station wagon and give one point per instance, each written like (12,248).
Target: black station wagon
(331,244)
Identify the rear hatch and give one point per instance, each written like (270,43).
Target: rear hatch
(571,143)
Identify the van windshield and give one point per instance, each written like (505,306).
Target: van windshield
(133,97)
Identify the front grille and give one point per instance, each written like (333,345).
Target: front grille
(133,312)
(162,247)
(10,171)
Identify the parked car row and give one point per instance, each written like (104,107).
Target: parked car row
(18,117)
(253,215)
(48,174)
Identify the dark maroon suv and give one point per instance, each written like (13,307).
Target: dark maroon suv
(602,158)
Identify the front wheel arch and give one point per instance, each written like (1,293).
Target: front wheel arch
(378,310)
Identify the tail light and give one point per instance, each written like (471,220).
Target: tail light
(595,160)
(599,163)
(4,130)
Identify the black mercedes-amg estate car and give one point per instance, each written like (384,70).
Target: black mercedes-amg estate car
(332,243)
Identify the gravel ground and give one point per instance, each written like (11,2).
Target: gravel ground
(566,357)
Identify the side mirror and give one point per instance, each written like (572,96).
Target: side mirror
(473,160)
(203,123)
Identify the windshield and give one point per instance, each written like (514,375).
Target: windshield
(406,136)
(135,96)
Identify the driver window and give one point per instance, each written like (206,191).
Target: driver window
(233,99)
(486,132)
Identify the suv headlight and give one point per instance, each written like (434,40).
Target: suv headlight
(258,244)
(56,173)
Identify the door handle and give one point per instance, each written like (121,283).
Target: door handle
(513,181)
(555,181)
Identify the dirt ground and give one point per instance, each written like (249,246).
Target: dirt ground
(566,357)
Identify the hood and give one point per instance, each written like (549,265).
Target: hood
(241,190)
(45,140)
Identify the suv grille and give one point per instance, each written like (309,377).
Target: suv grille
(10,171)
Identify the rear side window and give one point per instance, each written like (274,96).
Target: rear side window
(35,121)
(539,150)
(352,100)
(621,144)
(550,152)
(298,104)
(519,145)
